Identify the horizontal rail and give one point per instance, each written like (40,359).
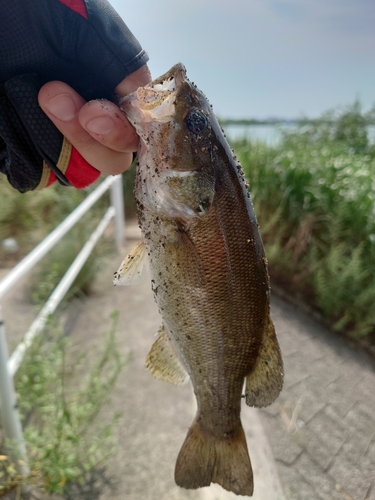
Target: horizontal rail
(50,241)
(58,294)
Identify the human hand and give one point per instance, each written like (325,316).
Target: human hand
(85,44)
(98,129)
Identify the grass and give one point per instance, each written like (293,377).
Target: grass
(29,217)
(314,195)
(64,438)
(47,275)
(65,442)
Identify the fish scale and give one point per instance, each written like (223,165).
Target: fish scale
(209,276)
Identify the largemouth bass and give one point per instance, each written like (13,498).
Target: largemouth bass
(209,276)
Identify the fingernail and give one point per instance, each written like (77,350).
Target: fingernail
(62,107)
(102,125)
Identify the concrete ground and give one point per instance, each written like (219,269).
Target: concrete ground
(322,427)
(316,442)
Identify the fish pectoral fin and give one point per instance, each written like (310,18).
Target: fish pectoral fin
(162,361)
(265,381)
(131,269)
(190,266)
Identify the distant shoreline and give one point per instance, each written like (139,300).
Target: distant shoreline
(277,121)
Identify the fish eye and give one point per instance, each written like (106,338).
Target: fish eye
(196,122)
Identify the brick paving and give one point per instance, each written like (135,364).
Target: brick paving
(322,427)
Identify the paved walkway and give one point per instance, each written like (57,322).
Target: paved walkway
(321,429)
(316,442)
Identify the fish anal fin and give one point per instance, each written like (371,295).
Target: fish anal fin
(265,381)
(131,269)
(204,459)
(162,361)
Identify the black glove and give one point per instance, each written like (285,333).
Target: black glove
(83,43)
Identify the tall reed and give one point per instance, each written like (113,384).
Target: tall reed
(314,195)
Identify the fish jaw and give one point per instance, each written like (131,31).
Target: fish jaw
(151,110)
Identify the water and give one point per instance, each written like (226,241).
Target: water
(271,134)
(371,133)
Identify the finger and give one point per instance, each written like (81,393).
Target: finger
(138,78)
(62,105)
(104,121)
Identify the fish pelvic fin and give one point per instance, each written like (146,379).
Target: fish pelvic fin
(265,381)
(162,361)
(205,459)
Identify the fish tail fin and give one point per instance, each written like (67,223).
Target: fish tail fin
(205,459)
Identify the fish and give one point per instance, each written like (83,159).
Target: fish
(209,276)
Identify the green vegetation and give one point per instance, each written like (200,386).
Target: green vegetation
(64,439)
(52,268)
(66,445)
(329,118)
(31,216)
(314,195)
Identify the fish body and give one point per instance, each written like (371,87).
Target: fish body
(209,276)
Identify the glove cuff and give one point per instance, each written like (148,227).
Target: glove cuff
(71,163)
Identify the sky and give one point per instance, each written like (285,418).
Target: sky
(263,58)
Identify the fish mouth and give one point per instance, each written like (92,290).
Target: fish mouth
(177,74)
(155,101)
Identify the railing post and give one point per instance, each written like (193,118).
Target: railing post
(9,414)
(117,201)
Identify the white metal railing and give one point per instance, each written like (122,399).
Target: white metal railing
(8,366)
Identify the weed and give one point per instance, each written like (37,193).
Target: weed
(64,441)
(49,273)
(314,195)
(29,217)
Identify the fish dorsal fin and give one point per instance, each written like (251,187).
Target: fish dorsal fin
(265,381)
(162,361)
(131,268)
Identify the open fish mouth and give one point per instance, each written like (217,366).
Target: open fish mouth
(155,101)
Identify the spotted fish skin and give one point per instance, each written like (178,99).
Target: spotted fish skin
(209,276)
